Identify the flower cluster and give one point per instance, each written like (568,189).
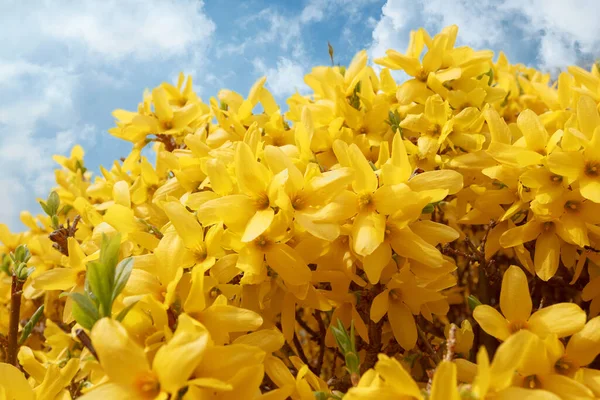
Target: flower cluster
(356,246)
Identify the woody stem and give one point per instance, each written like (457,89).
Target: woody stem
(16,290)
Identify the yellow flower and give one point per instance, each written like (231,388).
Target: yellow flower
(402,299)
(581,167)
(130,375)
(562,319)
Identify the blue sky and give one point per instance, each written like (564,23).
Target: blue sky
(65,66)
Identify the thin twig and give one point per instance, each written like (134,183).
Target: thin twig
(322,332)
(16,290)
(450,344)
(305,326)
(430,349)
(300,350)
(86,342)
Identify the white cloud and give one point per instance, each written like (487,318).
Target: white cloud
(550,32)
(285,78)
(51,54)
(117,29)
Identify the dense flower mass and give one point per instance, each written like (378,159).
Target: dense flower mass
(437,238)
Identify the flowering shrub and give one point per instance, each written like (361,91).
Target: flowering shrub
(437,238)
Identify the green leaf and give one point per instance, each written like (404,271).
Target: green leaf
(428,209)
(473,302)
(101,273)
(109,251)
(22,253)
(45,208)
(30,324)
(123,313)
(84,310)
(53,203)
(122,273)
(100,284)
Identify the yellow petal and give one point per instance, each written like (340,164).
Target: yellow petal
(491,321)
(440,179)
(380,306)
(374,263)
(122,359)
(230,319)
(590,188)
(533,130)
(162,108)
(258,224)
(109,391)
(584,346)
(563,319)
(288,263)
(57,279)
(515,301)
(512,393)
(508,357)
(444,382)
(565,387)
(403,324)
(566,163)
(14,383)
(368,232)
(186,225)
(397,377)
(279,372)
(121,194)
(365,180)
(547,255)
(269,340)
(408,244)
(520,234)
(434,233)
(175,361)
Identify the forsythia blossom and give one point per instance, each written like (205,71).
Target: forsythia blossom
(436,238)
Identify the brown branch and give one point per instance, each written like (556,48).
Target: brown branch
(305,326)
(322,333)
(61,235)
(425,340)
(450,344)
(374,346)
(16,290)
(300,351)
(86,342)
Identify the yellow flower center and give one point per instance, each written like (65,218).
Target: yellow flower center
(556,178)
(200,254)
(532,382)
(80,278)
(565,367)
(548,226)
(592,169)
(434,130)
(262,202)
(167,125)
(572,206)
(422,75)
(516,326)
(147,385)
(297,202)
(366,202)
(262,242)
(396,294)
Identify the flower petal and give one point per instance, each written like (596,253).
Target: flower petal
(547,255)
(515,301)
(563,319)
(403,324)
(491,321)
